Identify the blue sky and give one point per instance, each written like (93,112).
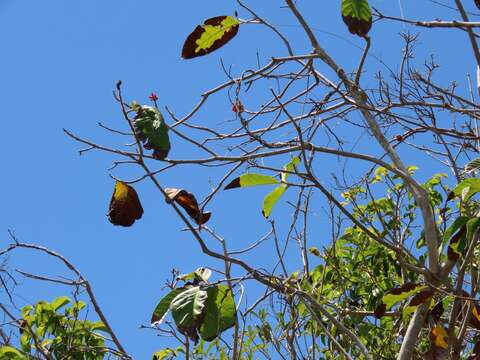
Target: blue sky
(60,63)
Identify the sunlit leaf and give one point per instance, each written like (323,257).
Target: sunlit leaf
(164,305)
(314,251)
(271,199)
(289,168)
(473,165)
(212,35)
(357,15)
(438,344)
(201,274)
(251,180)
(189,203)
(151,129)
(396,295)
(419,299)
(59,302)
(465,189)
(220,312)
(125,205)
(10,353)
(165,354)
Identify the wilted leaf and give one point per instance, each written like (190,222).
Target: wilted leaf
(212,35)
(164,305)
(220,312)
(201,274)
(396,295)
(438,344)
(151,129)
(251,180)
(357,15)
(457,244)
(187,311)
(125,205)
(419,298)
(271,199)
(313,250)
(189,203)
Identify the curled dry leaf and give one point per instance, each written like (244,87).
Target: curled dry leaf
(212,35)
(125,205)
(189,203)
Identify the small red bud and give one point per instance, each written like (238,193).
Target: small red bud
(238,107)
(399,138)
(153,96)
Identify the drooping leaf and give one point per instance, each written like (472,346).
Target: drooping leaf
(189,203)
(212,35)
(396,295)
(150,128)
(289,168)
(220,312)
(251,180)
(465,189)
(438,344)
(125,205)
(357,15)
(271,199)
(164,305)
(187,311)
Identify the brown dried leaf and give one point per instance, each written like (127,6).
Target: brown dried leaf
(189,203)
(125,206)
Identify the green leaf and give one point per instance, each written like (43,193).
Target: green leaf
(164,305)
(59,302)
(465,189)
(251,180)
(357,15)
(10,353)
(271,199)
(150,128)
(472,166)
(164,354)
(396,295)
(456,225)
(220,312)
(212,35)
(187,307)
(290,167)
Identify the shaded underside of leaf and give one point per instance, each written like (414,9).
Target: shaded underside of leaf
(220,312)
(357,15)
(212,35)
(125,206)
(189,203)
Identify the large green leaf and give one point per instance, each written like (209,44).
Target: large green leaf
(187,307)
(212,35)
(396,295)
(272,198)
(465,189)
(251,179)
(10,353)
(151,129)
(164,305)
(357,15)
(220,312)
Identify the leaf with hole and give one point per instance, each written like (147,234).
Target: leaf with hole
(151,130)
(357,15)
(125,205)
(212,35)
(189,203)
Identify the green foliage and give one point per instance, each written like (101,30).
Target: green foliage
(59,330)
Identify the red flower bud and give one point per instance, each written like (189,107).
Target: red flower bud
(238,107)
(153,96)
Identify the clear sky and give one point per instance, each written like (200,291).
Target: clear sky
(60,62)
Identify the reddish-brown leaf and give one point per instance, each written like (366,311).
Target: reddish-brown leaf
(189,203)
